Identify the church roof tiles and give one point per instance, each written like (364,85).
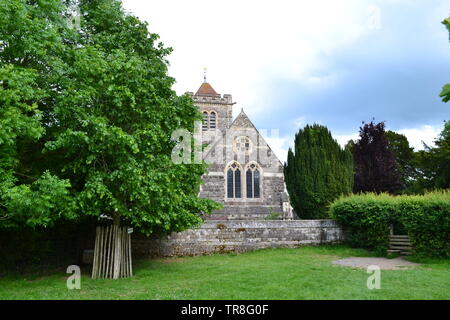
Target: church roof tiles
(206,90)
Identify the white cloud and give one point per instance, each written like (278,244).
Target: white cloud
(244,43)
(280,146)
(425,133)
(247,44)
(415,136)
(299,122)
(343,139)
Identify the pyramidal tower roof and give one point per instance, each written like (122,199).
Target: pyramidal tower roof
(207,95)
(206,90)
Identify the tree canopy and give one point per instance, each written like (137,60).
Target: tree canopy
(376,167)
(433,163)
(404,155)
(86,117)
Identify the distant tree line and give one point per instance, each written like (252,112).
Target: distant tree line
(401,169)
(318,170)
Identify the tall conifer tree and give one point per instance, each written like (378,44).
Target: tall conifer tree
(317,172)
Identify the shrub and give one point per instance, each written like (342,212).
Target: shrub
(273,216)
(27,249)
(427,222)
(365,219)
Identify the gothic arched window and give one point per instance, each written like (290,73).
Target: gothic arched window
(212,120)
(205,121)
(234,181)
(253,179)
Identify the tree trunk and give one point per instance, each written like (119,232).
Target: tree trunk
(112,253)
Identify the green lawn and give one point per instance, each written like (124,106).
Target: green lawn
(303,273)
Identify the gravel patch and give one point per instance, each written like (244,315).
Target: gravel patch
(384,264)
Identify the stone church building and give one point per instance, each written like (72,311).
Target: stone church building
(244,173)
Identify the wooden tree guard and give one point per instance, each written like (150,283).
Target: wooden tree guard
(112,253)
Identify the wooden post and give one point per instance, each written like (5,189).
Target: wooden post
(95,263)
(129,258)
(112,253)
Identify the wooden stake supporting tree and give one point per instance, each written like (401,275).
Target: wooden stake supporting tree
(112,253)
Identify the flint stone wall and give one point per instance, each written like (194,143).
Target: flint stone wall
(238,236)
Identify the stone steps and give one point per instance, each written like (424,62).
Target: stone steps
(228,217)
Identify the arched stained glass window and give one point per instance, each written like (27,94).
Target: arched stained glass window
(249,178)
(234,181)
(256,185)
(253,181)
(230,183)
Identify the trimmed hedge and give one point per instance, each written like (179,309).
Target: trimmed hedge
(25,249)
(365,219)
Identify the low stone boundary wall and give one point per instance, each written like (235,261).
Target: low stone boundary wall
(238,236)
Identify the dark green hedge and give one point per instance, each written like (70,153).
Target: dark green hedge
(365,219)
(35,250)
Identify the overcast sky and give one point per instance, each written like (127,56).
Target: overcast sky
(292,63)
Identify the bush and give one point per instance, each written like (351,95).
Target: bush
(26,249)
(427,222)
(365,219)
(273,216)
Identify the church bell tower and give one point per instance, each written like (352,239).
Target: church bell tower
(217,109)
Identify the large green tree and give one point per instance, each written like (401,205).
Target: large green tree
(433,163)
(317,172)
(404,155)
(31,39)
(441,156)
(86,118)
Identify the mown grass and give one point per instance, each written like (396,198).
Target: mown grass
(303,273)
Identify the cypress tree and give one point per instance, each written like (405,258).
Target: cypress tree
(317,172)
